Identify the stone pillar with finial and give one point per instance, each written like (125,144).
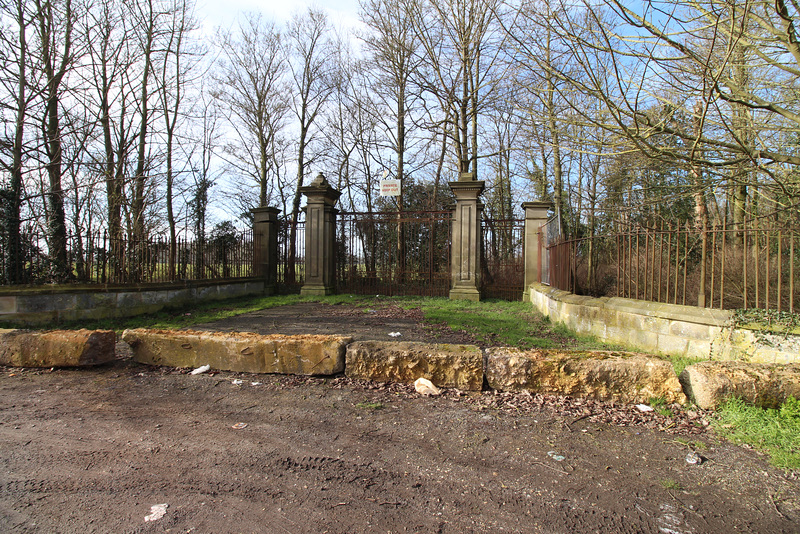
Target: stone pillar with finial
(265,237)
(320,275)
(465,252)
(535,253)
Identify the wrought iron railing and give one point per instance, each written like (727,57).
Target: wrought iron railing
(724,267)
(99,258)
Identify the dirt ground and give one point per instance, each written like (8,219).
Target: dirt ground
(93,450)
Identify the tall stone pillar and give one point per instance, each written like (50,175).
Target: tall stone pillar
(535,255)
(465,254)
(320,276)
(265,235)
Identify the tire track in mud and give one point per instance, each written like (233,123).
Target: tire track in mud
(312,460)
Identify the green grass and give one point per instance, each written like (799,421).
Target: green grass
(679,362)
(773,431)
(496,322)
(671,484)
(370,405)
(491,322)
(659,404)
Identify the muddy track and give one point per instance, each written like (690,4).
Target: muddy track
(87,451)
(93,450)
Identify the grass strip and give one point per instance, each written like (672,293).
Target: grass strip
(499,322)
(773,431)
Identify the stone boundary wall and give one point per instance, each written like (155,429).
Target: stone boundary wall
(44,306)
(666,329)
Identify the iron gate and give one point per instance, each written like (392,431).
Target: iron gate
(503,259)
(391,253)
(291,263)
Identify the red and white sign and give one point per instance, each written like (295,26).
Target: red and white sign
(390,188)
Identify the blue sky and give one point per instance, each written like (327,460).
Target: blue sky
(215,13)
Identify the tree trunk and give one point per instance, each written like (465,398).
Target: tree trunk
(56,224)
(14,257)
(139,179)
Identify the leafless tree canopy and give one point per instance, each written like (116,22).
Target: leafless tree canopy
(124,117)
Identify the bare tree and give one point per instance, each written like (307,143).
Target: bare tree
(55,25)
(207,139)
(462,41)
(395,54)
(110,32)
(250,83)
(147,16)
(312,65)
(718,80)
(340,131)
(177,62)
(17,19)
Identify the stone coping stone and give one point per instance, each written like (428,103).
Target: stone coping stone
(766,385)
(446,365)
(240,351)
(602,375)
(673,312)
(56,348)
(100,288)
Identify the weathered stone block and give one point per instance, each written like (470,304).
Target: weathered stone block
(240,351)
(660,325)
(56,348)
(45,303)
(162,296)
(698,349)
(8,305)
(618,376)
(690,330)
(90,301)
(770,355)
(129,300)
(26,319)
(632,321)
(449,366)
(643,340)
(768,386)
(206,293)
(173,297)
(668,344)
(615,334)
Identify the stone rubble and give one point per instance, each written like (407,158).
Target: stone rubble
(616,377)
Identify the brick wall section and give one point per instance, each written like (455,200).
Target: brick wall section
(659,328)
(44,306)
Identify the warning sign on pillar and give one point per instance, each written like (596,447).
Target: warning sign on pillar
(390,188)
